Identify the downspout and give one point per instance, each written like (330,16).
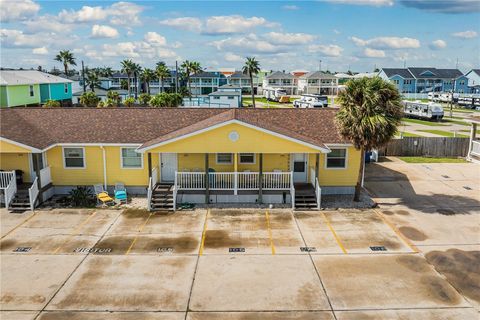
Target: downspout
(104,167)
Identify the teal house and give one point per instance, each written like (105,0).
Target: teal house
(32,88)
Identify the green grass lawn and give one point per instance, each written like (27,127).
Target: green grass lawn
(424,122)
(409,134)
(452,120)
(432,160)
(463,110)
(478,131)
(445,133)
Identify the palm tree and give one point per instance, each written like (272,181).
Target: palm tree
(136,69)
(251,67)
(127,67)
(92,79)
(106,72)
(147,76)
(190,68)
(162,72)
(370,111)
(66,57)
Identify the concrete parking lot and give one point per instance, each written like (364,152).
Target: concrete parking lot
(415,257)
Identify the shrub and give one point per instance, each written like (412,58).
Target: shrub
(129,102)
(167,100)
(52,104)
(113,99)
(144,98)
(89,99)
(100,104)
(82,197)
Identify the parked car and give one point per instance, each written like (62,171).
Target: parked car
(311,101)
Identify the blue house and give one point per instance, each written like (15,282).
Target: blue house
(473,80)
(424,79)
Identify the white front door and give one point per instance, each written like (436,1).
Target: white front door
(299,166)
(168,166)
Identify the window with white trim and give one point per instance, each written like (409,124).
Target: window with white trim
(32,92)
(337,158)
(74,157)
(224,158)
(65,87)
(247,158)
(131,159)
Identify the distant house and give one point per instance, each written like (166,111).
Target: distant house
(318,82)
(206,82)
(32,88)
(473,77)
(281,80)
(424,80)
(227,96)
(242,80)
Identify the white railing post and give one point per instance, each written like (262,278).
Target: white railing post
(292,190)
(149,194)
(33,193)
(10,180)
(235,183)
(318,191)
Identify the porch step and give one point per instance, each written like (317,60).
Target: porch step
(20,203)
(306,200)
(162,197)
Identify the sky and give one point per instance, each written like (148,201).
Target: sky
(336,35)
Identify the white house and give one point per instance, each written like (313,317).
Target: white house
(281,80)
(473,80)
(318,82)
(227,96)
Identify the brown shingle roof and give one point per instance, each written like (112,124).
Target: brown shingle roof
(43,127)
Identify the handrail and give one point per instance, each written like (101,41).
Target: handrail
(45,177)
(149,194)
(292,190)
(5,178)
(475,148)
(11,189)
(33,193)
(318,192)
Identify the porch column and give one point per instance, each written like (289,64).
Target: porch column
(36,168)
(473,133)
(207,181)
(317,163)
(260,177)
(235,173)
(149,165)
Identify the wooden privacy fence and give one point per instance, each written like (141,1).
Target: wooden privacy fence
(426,146)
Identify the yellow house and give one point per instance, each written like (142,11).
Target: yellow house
(281,156)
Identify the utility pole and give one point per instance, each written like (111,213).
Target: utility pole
(320,65)
(176,76)
(451,98)
(83,78)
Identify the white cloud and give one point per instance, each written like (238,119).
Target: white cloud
(438,44)
(119,13)
(233,24)
(17,10)
(231,57)
(155,39)
(16,38)
(99,31)
(376,3)
(336,31)
(290,7)
(387,43)
(289,38)
(250,43)
(47,23)
(184,23)
(41,51)
(373,53)
(469,34)
(330,50)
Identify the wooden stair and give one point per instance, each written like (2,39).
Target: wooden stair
(162,197)
(20,202)
(305,198)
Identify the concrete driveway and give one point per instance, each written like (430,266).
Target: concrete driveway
(220,264)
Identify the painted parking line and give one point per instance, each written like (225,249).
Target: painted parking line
(75,231)
(339,242)
(397,232)
(19,225)
(139,230)
(204,232)
(267,217)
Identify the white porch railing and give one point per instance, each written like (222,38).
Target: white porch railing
(475,148)
(222,180)
(247,180)
(276,180)
(33,193)
(45,177)
(10,189)
(190,180)
(5,177)
(318,193)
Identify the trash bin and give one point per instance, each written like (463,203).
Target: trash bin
(19,177)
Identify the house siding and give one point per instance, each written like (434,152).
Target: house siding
(57,91)
(16,161)
(20,95)
(44,92)
(3,97)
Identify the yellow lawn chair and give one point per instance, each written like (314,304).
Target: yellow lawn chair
(102,195)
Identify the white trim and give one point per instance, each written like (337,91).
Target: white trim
(49,92)
(33,174)
(20,145)
(321,149)
(341,145)
(224,163)
(91,145)
(240,158)
(75,168)
(338,168)
(130,168)
(104,167)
